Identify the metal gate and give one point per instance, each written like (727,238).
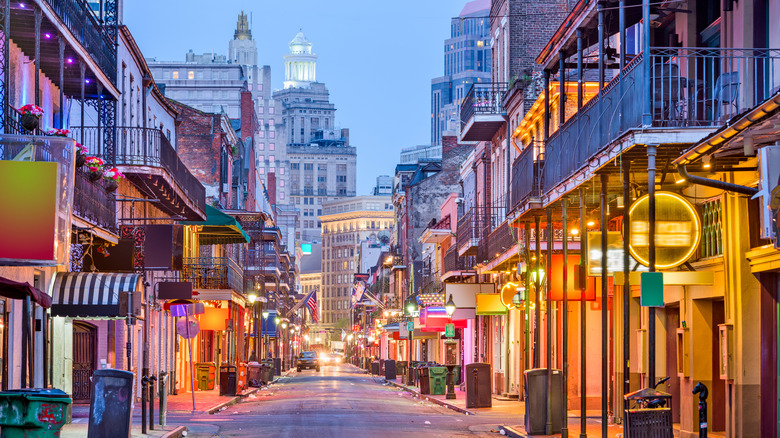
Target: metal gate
(84,360)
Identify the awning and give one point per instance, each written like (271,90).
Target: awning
(391,327)
(18,291)
(219,228)
(88,294)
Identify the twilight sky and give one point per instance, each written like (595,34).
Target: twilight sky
(377,58)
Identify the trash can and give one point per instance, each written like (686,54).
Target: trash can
(375,367)
(33,412)
(478,385)
(400,367)
(254,376)
(206,373)
(456,372)
(277,366)
(424,378)
(267,371)
(227,379)
(110,408)
(381,366)
(438,380)
(535,396)
(650,423)
(390,371)
(242,378)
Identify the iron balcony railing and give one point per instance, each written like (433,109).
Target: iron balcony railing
(482,98)
(92,203)
(82,24)
(497,242)
(213,273)
(262,260)
(453,262)
(526,176)
(146,147)
(689,87)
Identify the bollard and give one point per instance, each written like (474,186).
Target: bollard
(144,383)
(152,380)
(163,398)
(701,389)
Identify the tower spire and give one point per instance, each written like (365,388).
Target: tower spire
(243,32)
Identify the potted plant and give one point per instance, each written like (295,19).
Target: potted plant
(58,132)
(81,154)
(95,166)
(112,176)
(31,116)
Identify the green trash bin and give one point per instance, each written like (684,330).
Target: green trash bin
(438,377)
(37,413)
(206,373)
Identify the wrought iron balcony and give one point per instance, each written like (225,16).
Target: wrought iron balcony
(454,262)
(477,223)
(265,261)
(687,88)
(526,177)
(213,273)
(149,161)
(497,242)
(92,203)
(482,111)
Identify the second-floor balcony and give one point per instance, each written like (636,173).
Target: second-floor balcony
(151,163)
(482,112)
(267,262)
(213,273)
(454,264)
(93,204)
(526,179)
(474,225)
(674,97)
(497,246)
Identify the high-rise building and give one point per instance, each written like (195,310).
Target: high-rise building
(346,224)
(322,162)
(466,61)
(384,186)
(415,154)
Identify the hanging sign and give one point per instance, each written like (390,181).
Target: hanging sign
(677,230)
(410,326)
(188,327)
(449,330)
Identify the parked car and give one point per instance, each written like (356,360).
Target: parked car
(308,360)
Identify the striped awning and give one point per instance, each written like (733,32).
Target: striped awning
(91,294)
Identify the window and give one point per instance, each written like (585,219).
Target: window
(175,74)
(260,146)
(260,110)
(281,196)
(261,134)
(322,167)
(281,183)
(341,167)
(294,166)
(271,110)
(321,179)
(272,146)
(190,74)
(308,166)
(281,170)
(272,134)
(341,178)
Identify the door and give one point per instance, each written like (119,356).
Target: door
(84,360)
(672,323)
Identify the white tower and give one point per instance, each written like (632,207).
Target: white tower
(300,66)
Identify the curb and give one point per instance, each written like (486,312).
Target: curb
(512,432)
(176,433)
(231,402)
(432,399)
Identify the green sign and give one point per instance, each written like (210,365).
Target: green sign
(449,330)
(652,289)
(410,325)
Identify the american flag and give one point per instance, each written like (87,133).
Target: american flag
(311,303)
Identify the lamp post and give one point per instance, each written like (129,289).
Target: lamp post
(411,306)
(252,297)
(284,335)
(263,333)
(450,308)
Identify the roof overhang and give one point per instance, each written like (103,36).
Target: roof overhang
(218,228)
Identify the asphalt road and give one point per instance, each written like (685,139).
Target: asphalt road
(338,401)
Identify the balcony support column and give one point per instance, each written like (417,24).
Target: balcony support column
(651,152)
(622,26)
(565,321)
(546,105)
(580,72)
(61,41)
(602,36)
(647,112)
(626,272)
(604,294)
(561,88)
(82,69)
(527,240)
(37,61)
(548,320)
(537,287)
(582,286)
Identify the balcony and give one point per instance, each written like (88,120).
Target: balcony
(526,179)
(482,113)
(213,273)
(92,204)
(477,223)
(691,92)
(495,247)
(437,232)
(455,265)
(267,262)
(149,161)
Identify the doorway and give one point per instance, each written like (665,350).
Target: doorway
(672,323)
(84,360)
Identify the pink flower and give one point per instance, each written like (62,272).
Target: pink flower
(31,109)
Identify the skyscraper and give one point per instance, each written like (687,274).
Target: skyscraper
(322,162)
(466,60)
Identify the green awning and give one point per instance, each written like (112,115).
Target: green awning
(219,228)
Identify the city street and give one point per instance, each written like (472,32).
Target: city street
(335,402)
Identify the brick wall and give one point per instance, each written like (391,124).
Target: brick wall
(249,127)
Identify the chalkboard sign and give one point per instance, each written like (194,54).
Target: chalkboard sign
(110,408)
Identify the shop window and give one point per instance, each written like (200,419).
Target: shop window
(711,232)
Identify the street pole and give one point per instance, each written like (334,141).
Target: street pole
(584,286)
(537,287)
(651,151)
(565,370)
(626,274)
(604,293)
(548,320)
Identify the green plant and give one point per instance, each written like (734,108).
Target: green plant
(234,150)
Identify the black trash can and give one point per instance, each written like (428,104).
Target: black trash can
(375,367)
(277,366)
(110,409)
(390,373)
(652,422)
(228,379)
(254,374)
(535,395)
(424,379)
(478,385)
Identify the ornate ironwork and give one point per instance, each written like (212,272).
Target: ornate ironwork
(110,20)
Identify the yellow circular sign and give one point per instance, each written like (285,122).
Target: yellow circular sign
(507,293)
(677,230)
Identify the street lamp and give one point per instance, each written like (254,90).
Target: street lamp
(252,297)
(450,307)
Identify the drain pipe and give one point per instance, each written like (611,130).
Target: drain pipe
(729,187)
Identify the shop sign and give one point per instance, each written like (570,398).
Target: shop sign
(614,254)
(449,330)
(677,230)
(410,326)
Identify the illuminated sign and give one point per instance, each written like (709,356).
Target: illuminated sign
(508,293)
(305,248)
(677,230)
(614,254)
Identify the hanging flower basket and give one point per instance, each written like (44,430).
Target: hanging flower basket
(95,166)
(58,132)
(81,155)
(30,122)
(95,176)
(112,176)
(111,186)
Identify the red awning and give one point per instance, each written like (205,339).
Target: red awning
(439,324)
(18,291)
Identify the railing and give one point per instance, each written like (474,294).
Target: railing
(262,260)
(453,262)
(526,176)
(91,202)
(13,123)
(147,147)
(432,285)
(689,87)
(478,222)
(497,242)
(482,98)
(213,273)
(83,25)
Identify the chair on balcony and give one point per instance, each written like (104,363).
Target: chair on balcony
(725,95)
(668,97)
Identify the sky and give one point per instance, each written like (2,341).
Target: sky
(377,58)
